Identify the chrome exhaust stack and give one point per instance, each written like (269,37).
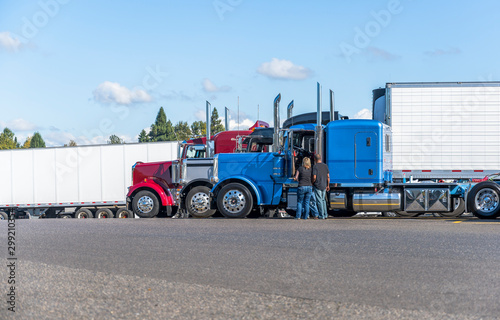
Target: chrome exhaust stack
(332,106)
(226,119)
(208,153)
(289,110)
(276,122)
(318,146)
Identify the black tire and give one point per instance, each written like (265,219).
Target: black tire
(234,201)
(405,214)
(66,216)
(4,216)
(484,200)
(389,214)
(145,204)
(124,213)
(83,214)
(341,213)
(458,209)
(104,213)
(198,202)
(291,213)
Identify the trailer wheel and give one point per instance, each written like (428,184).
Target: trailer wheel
(484,200)
(124,213)
(458,209)
(66,216)
(198,202)
(104,213)
(4,216)
(145,204)
(234,201)
(342,213)
(84,214)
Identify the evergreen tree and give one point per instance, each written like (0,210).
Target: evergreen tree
(216,125)
(27,143)
(182,131)
(37,141)
(114,139)
(198,128)
(143,136)
(72,143)
(161,130)
(8,140)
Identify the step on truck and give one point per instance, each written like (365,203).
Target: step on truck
(359,154)
(162,188)
(73,182)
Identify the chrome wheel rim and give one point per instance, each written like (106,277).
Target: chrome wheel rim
(145,204)
(200,202)
(234,201)
(487,200)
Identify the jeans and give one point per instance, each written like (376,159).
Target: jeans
(303,199)
(320,196)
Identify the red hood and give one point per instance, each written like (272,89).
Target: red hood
(159,170)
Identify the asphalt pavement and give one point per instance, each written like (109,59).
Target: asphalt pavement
(357,268)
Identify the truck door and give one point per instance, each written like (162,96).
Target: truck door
(365,155)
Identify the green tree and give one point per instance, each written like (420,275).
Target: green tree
(143,136)
(114,139)
(161,130)
(37,141)
(72,143)
(8,140)
(27,143)
(216,125)
(198,128)
(182,131)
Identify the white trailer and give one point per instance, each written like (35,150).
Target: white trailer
(82,182)
(442,130)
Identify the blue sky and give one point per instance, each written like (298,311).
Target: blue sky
(84,70)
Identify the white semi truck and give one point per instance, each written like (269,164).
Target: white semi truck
(80,182)
(442,130)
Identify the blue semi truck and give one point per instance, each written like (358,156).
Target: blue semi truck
(359,155)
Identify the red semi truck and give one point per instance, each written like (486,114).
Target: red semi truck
(162,188)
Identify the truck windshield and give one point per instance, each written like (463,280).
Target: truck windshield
(196,151)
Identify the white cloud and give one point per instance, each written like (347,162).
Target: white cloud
(244,124)
(19,125)
(209,86)
(200,115)
(57,138)
(283,69)
(113,92)
(8,42)
(363,114)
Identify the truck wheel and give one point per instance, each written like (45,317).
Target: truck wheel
(484,200)
(145,204)
(65,216)
(458,209)
(291,213)
(84,214)
(124,213)
(341,213)
(234,201)
(104,213)
(405,214)
(4,216)
(198,202)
